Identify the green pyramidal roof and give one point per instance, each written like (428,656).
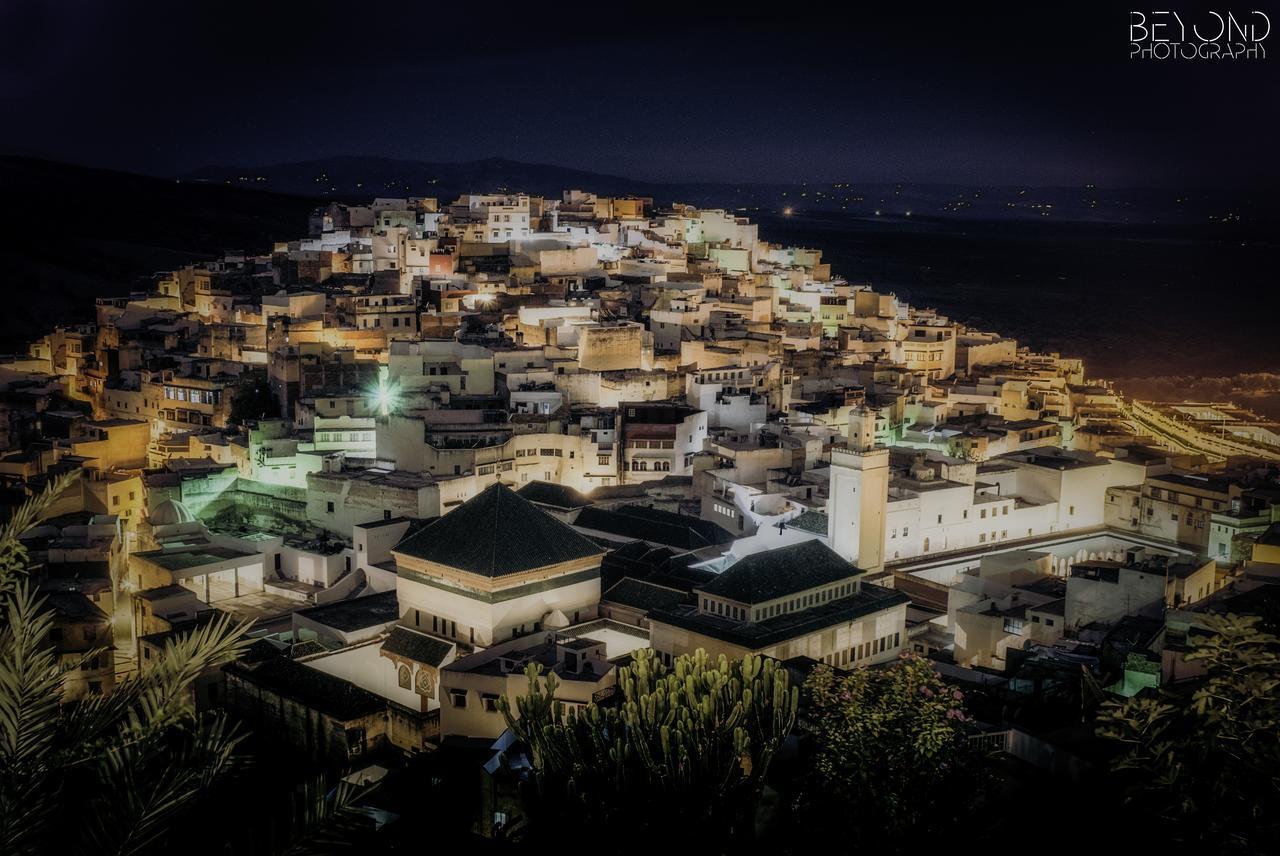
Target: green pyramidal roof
(495,533)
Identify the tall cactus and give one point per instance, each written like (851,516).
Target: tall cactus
(683,749)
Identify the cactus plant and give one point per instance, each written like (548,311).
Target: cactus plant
(682,749)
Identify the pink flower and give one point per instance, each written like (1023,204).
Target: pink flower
(928,693)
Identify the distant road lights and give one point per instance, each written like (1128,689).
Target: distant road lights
(786,212)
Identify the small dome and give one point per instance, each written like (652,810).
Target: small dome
(170,512)
(555,620)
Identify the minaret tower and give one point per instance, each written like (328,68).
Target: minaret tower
(859,494)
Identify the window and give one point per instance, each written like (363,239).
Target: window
(329,507)
(458,698)
(405,677)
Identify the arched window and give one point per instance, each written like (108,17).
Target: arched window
(426,682)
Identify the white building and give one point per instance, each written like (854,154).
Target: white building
(495,568)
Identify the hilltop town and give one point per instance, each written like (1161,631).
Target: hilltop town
(431,443)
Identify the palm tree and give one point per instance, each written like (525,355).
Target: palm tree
(113,774)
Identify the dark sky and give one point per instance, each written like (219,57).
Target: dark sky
(977,93)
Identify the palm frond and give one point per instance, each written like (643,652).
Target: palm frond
(130,762)
(13,555)
(330,822)
(30,693)
(145,785)
(157,698)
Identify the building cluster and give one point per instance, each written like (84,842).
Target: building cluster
(429,445)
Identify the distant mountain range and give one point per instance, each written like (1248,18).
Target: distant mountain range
(354,178)
(99,231)
(366,177)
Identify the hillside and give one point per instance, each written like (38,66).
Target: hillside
(78,233)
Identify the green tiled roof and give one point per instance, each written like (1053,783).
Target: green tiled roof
(810,521)
(554,495)
(643,595)
(496,533)
(416,646)
(754,635)
(777,573)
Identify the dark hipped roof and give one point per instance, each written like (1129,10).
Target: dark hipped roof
(415,646)
(641,594)
(643,523)
(754,635)
(778,573)
(74,606)
(495,533)
(810,521)
(554,495)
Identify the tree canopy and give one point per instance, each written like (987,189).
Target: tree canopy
(890,757)
(1204,766)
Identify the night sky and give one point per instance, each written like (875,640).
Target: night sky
(679,91)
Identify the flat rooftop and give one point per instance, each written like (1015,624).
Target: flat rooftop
(356,614)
